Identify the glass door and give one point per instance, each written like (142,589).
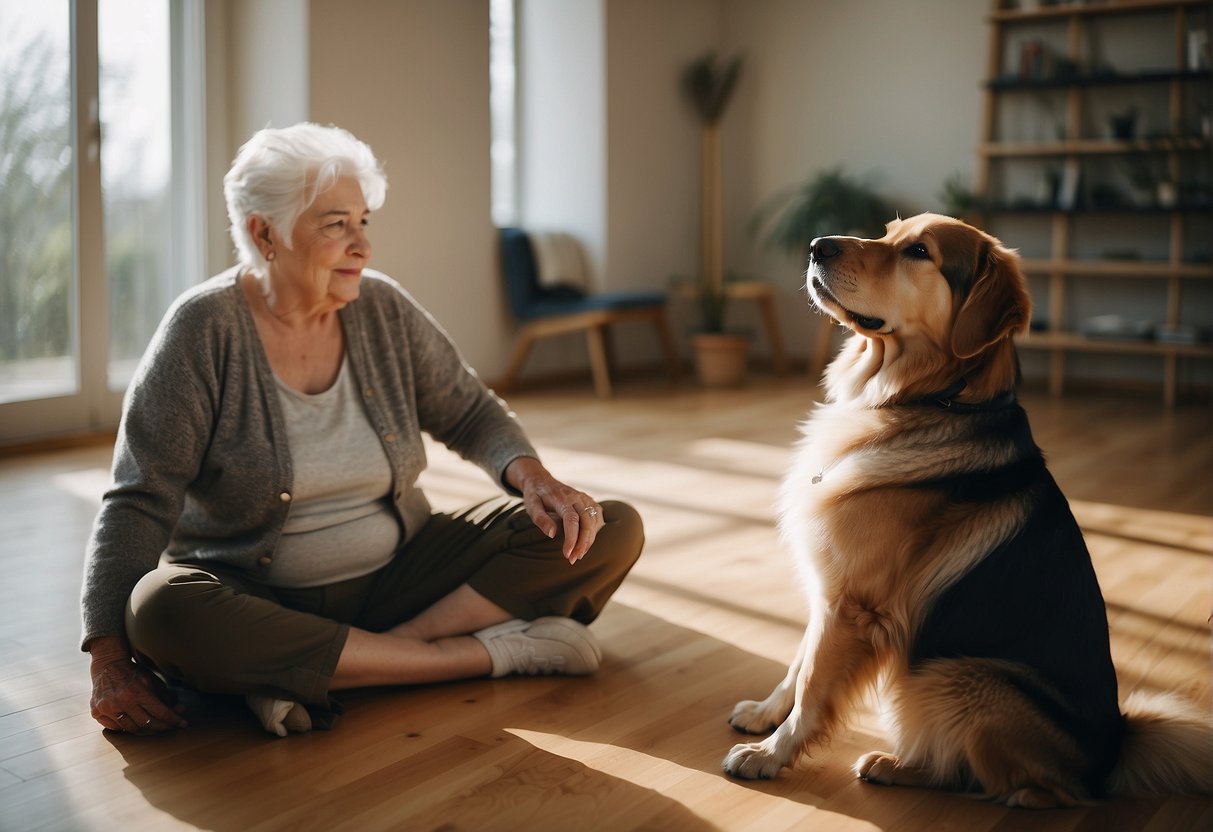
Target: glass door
(38,289)
(136,176)
(92,202)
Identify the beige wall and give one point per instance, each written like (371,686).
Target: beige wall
(268,43)
(653,137)
(412,80)
(256,76)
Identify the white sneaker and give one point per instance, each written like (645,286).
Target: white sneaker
(542,647)
(279,716)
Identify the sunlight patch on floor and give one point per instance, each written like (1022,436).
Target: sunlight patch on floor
(687,786)
(87,484)
(688,485)
(1164,528)
(746,629)
(743,457)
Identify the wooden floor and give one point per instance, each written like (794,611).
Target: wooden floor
(709,616)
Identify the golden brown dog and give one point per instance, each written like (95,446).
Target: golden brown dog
(942,562)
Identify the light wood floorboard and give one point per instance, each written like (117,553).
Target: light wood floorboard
(710,615)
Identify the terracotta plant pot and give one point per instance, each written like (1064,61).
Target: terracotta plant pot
(720,358)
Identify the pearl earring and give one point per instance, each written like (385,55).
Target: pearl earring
(269,255)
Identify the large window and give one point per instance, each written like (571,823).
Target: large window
(37,295)
(136,124)
(97,101)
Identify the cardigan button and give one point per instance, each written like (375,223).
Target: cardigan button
(389,437)
(370,391)
(285,496)
(265,560)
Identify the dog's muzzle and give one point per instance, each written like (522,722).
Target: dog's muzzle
(821,250)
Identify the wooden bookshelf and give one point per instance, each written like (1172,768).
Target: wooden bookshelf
(1046,66)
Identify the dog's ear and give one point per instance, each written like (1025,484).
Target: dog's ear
(964,250)
(997,306)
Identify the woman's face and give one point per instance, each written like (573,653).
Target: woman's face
(329,247)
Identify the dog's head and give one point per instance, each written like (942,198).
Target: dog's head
(934,300)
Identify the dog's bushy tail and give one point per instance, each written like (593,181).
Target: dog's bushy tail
(1168,747)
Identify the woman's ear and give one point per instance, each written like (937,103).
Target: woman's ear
(259,230)
(998,305)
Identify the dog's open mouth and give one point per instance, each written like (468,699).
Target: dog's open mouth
(862,321)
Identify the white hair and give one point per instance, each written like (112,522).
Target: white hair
(279,172)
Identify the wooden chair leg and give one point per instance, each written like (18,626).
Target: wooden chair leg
(599,363)
(525,339)
(672,361)
(608,349)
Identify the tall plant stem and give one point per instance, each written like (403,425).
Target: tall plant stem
(712,212)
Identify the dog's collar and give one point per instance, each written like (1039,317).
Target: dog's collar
(945,400)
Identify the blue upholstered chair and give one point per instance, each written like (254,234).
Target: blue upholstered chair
(543,311)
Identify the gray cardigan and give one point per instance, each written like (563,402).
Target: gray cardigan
(202,469)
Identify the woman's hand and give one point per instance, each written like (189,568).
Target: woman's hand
(552,505)
(127,697)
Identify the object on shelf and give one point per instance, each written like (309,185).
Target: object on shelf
(1040,62)
(1198,49)
(1116,327)
(1123,125)
(1183,334)
(1067,194)
(1167,194)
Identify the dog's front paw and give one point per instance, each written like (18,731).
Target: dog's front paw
(877,767)
(752,761)
(888,770)
(750,717)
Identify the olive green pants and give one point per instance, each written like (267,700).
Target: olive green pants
(215,629)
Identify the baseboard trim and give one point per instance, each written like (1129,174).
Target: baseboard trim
(57,443)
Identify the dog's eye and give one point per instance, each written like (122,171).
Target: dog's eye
(918,251)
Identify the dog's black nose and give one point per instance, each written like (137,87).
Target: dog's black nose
(822,248)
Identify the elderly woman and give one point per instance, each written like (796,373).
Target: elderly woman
(264,534)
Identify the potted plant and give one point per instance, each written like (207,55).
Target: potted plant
(832,202)
(720,357)
(957,197)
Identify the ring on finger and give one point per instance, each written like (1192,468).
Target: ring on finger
(149,722)
(591,511)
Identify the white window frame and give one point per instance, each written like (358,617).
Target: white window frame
(94,407)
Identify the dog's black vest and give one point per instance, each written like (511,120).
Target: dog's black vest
(1034,601)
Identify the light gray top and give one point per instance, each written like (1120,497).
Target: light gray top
(202,469)
(341,524)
